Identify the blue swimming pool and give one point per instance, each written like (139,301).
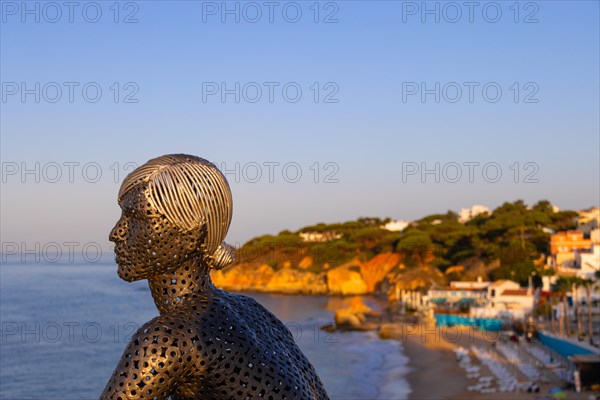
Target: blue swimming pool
(487,324)
(562,347)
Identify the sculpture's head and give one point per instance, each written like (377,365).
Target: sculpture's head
(174,208)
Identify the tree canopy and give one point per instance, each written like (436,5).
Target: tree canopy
(512,237)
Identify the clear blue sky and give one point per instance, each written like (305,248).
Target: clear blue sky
(371,57)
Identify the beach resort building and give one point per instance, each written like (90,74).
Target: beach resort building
(506,299)
(573,255)
(459,292)
(563,247)
(567,241)
(499,299)
(587,262)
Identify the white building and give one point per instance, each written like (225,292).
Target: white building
(319,236)
(396,226)
(479,284)
(588,220)
(500,299)
(454,295)
(467,214)
(506,300)
(457,291)
(587,262)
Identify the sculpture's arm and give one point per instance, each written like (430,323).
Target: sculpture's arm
(153,363)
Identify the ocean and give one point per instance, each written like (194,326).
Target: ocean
(64,327)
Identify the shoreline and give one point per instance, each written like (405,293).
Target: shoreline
(262,290)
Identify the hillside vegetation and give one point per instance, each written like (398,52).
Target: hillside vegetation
(510,243)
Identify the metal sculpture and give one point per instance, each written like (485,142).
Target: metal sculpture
(206,343)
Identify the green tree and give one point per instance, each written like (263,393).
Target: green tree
(416,246)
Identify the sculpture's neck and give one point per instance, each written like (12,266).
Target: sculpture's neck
(172,290)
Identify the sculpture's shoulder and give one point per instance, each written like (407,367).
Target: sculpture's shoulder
(172,334)
(255,316)
(234,311)
(154,361)
(270,357)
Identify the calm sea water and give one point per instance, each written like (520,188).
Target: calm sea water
(64,327)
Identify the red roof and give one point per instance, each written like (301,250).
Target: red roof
(515,292)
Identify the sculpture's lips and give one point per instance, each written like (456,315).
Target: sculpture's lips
(118,255)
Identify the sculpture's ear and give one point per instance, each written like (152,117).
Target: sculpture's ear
(222,257)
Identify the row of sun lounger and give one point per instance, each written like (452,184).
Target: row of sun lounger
(506,381)
(548,360)
(473,372)
(526,357)
(512,355)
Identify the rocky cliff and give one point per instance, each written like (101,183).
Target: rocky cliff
(351,278)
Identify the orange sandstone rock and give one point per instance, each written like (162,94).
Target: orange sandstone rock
(377,268)
(346,279)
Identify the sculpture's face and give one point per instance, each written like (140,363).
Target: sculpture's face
(146,243)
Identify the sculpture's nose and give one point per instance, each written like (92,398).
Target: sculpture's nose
(118,232)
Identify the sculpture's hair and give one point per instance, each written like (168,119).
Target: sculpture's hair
(189,191)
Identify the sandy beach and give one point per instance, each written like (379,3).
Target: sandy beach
(435,373)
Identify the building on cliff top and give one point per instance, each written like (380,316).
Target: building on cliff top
(588,220)
(467,214)
(395,226)
(319,236)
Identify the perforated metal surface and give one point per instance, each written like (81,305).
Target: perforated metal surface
(206,343)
